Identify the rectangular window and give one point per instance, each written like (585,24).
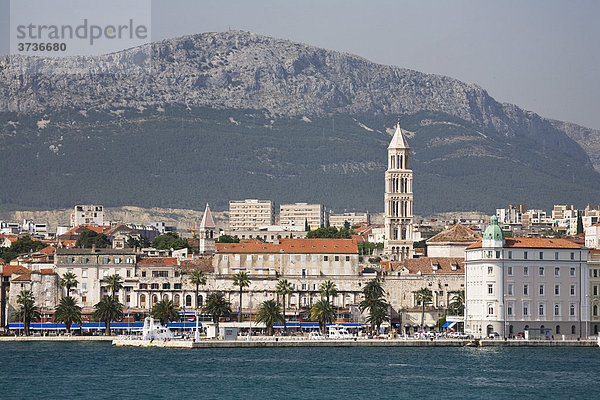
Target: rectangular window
(541,255)
(160,274)
(490,270)
(557,290)
(84,286)
(525,255)
(83,299)
(525,271)
(541,271)
(541,290)
(572,271)
(556,310)
(497,253)
(572,310)
(347,258)
(510,289)
(595,273)
(490,288)
(556,255)
(572,256)
(541,310)
(525,309)
(509,271)
(337,258)
(304,286)
(128,298)
(595,290)
(572,290)
(84,273)
(509,309)
(177,286)
(525,290)
(491,310)
(143,274)
(129,273)
(510,254)
(166,285)
(556,271)
(325,258)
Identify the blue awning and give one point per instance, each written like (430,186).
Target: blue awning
(449,324)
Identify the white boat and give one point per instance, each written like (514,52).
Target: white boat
(153,330)
(338,332)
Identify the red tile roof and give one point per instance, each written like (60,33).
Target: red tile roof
(293,246)
(535,243)
(49,250)
(157,262)
(9,269)
(455,234)
(425,265)
(202,264)
(46,271)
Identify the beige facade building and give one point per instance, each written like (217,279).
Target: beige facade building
(352,218)
(452,242)
(250,214)
(87,215)
(594,290)
(398,199)
(297,216)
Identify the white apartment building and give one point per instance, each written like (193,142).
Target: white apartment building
(353,218)
(87,215)
(298,215)
(250,214)
(515,285)
(592,236)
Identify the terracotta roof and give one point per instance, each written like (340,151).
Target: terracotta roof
(49,250)
(457,233)
(426,265)
(358,238)
(46,271)
(9,269)
(157,262)
(82,228)
(535,243)
(203,264)
(23,276)
(293,246)
(118,228)
(595,251)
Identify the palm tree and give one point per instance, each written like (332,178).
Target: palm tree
(108,309)
(378,313)
(28,311)
(323,312)
(373,289)
(422,296)
(456,306)
(68,312)
(165,311)
(374,302)
(241,279)
(284,289)
(114,283)
(328,289)
(197,278)
(68,280)
(268,313)
(217,305)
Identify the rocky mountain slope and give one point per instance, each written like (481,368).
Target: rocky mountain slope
(146,111)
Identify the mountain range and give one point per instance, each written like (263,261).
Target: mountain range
(230,115)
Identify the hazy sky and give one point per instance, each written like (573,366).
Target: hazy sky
(543,55)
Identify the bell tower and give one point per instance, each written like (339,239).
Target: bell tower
(206,236)
(398,242)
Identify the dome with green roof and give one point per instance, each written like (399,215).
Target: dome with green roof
(493,231)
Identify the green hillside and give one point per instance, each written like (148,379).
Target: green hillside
(184,157)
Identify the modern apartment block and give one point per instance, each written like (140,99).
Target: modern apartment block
(250,214)
(87,215)
(353,218)
(519,285)
(298,215)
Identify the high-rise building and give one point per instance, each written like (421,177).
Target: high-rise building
(398,199)
(250,214)
(302,215)
(87,215)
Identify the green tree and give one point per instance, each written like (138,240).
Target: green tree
(227,239)
(422,296)
(107,310)
(197,278)
(284,289)
(328,289)
(579,224)
(330,232)
(241,280)
(28,311)
(22,245)
(89,238)
(165,311)
(456,306)
(139,243)
(170,240)
(68,280)
(268,314)
(114,283)
(68,312)
(374,302)
(323,312)
(217,306)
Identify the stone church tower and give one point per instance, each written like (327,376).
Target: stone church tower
(206,234)
(398,199)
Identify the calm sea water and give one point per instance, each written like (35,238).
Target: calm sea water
(43,370)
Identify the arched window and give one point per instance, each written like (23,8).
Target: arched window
(595,312)
(188,300)
(510,330)
(200,300)
(142,300)
(165,297)
(176,300)
(154,299)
